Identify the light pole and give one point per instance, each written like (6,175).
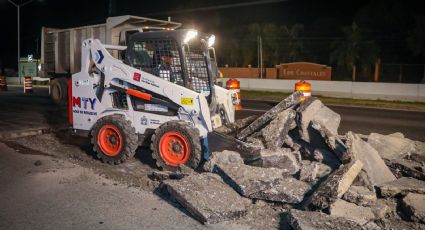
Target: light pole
(18,6)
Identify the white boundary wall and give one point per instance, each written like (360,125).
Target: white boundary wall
(347,89)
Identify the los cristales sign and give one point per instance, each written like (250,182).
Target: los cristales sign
(304,71)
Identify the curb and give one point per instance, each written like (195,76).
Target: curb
(24,133)
(273,103)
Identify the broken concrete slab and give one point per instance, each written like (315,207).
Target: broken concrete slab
(308,171)
(224,157)
(360,195)
(323,170)
(207,197)
(382,208)
(281,158)
(339,149)
(334,186)
(363,180)
(374,166)
(401,186)
(327,157)
(270,115)
(307,220)
(413,205)
(275,132)
(247,179)
(391,146)
(315,110)
(406,168)
(353,212)
(287,190)
(244,122)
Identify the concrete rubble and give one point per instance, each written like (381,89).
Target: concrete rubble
(413,206)
(275,133)
(374,165)
(406,168)
(281,158)
(224,157)
(293,158)
(287,190)
(360,195)
(307,220)
(270,115)
(391,146)
(334,186)
(206,197)
(401,187)
(358,214)
(247,179)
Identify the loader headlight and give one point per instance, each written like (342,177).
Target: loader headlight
(211,41)
(190,35)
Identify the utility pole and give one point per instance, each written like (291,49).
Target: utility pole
(18,6)
(260,55)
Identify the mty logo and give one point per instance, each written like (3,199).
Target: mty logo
(99,57)
(77,101)
(137,76)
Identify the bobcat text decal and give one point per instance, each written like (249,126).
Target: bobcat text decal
(85,104)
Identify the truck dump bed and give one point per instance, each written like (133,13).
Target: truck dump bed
(61,48)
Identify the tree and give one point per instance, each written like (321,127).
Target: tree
(416,37)
(354,51)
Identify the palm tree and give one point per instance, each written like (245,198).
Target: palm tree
(354,51)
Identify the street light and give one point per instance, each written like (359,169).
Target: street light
(18,6)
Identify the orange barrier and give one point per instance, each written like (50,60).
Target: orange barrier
(3,83)
(304,87)
(234,86)
(27,84)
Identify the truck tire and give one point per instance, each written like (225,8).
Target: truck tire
(174,143)
(59,91)
(114,139)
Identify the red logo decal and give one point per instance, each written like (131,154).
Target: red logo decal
(136,76)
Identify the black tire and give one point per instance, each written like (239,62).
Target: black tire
(189,133)
(59,90)
(128,139)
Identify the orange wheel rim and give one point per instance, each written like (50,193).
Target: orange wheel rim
(109,140)
(174,148)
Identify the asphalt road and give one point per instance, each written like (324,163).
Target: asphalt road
(362,120)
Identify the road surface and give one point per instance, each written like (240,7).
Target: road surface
(362,120)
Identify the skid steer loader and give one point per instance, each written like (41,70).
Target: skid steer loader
(161,90)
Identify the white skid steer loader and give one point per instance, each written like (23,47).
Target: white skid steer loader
(163,88)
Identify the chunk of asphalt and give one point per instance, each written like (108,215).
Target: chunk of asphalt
(334,186)
(413,205)
(401,187)
(281,158)
(270,115)
(275,132)
(374,165)
(246,179)
(287,190)
(207,197)
(308,220)
(391,146)
(224,157)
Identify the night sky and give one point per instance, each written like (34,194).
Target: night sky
(66,13)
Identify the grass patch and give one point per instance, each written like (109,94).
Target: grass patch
(278,96)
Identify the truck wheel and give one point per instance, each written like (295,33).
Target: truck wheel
(114,139)
(59,91)
(174,143)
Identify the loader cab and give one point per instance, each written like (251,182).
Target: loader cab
(184,57)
